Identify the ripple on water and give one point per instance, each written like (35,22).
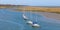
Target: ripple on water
(10,20)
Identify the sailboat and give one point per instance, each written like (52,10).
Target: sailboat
(35,24)
(24,17)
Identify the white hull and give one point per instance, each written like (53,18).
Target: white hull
(36,25)
(30,22)
(24,17)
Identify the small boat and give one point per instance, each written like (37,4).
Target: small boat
(35,25)
(29,22)
(25,18)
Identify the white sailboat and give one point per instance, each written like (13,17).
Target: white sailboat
(25,17)
(35,24)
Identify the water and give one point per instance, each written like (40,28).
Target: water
(10,20)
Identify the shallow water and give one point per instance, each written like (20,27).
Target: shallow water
(10,20)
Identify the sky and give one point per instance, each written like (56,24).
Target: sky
(32,2)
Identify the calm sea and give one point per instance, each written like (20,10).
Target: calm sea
(10,20)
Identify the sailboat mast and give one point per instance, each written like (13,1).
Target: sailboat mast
(23,10)
(36,17)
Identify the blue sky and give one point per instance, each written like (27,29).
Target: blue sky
(32,2)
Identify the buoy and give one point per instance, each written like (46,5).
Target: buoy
(29,22)
(35,25)
(25,18)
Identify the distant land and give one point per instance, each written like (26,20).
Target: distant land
(54,9)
